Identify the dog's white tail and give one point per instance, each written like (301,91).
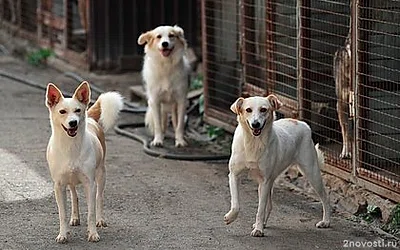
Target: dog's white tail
(320,156)
(106,109)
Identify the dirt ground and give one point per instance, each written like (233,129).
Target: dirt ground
(151,203)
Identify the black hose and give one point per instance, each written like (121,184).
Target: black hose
(119,129)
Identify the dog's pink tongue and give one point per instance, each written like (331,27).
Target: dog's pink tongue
(166,52)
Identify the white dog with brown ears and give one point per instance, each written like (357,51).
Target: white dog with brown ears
(165,73)
(76,152)
(267,147)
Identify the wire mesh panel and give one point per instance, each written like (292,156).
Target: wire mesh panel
(270,48)
(221,57)
(324,27)
(380,91)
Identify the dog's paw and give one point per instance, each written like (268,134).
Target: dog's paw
(230,216)
(156,143)
(61,239)
(93,237)
(257,233)
(345,155)
(179,143)
(323,224)
(101,223)
(264,225)
(74,222)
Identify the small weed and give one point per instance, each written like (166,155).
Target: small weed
(39,57)
(214,132)
(371,214)
(201,104)
(393,224)
(197,82)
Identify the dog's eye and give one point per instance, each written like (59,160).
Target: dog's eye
(158,36)
(248,110)
(263,110)
(171,35)
(77,110)
(62,111)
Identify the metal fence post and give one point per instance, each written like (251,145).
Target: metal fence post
(354,80)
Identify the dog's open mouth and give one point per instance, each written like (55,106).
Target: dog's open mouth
(71,131)
(257,131)
(166,52)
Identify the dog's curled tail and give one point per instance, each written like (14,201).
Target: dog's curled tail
(106,109)
(320,156)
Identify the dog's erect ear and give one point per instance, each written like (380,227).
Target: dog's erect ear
(144,38)
(236,107)
(53,95)
(274,101)
(82,93)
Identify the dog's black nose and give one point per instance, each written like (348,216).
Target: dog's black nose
(73,123)
(256,125)
(164,44)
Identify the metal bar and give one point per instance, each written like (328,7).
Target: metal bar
(88,45)
(66,18)
(355,81)
(303,7)
(107,38)
(205,54)
(300,80)
(270,84)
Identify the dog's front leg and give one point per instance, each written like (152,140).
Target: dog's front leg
(90,189)
(75,221)
(156,112)
(61,200)
(234,172)
(264,191)
(180,127)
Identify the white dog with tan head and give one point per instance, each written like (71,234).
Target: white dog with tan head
(267,147)
(165,72)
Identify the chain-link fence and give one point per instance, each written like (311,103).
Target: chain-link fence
(333,63)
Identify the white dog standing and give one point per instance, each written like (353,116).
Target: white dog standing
(76,152)
(267,147)
(165,72)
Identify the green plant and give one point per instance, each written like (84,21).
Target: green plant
(393,224)
(372,214)
(196,82)
(39,57)
(201,104)
(213,132)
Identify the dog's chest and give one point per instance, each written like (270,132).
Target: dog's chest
(67,172)
(254,150)
(70,166)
